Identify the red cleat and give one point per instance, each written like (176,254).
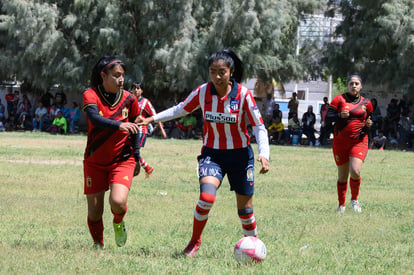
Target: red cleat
(149,171)
(192,248)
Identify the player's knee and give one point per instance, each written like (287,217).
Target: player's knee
(117,203)
(208,192)
(355,173)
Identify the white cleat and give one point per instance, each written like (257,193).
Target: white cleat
(356,206)
(340,209)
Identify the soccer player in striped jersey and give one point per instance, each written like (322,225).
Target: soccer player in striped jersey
(227,107)
(111,157)
(351,113)
(145,110)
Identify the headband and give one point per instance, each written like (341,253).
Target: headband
(110,63)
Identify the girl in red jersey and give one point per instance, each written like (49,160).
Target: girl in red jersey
(145,109)
(227,108)
(112,150)
(351,113)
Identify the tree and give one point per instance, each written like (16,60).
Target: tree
(164,43)
(378,42)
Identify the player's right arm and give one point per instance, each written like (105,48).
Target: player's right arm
(99,121)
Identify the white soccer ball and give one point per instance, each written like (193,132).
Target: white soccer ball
(250,249)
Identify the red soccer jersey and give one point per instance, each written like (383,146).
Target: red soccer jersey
(106,146)
(358,112)
(225,119)
(145,110)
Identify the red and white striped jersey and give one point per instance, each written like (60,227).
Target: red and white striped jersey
(225,119)
(146,110)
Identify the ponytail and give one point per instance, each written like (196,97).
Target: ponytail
(232,61)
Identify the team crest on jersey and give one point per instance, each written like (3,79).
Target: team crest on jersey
(125,113)
(234,105)
(364,108)
(88,181)
(337,157)
(250,174)
(100,113)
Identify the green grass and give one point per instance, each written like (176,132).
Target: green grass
(43,214)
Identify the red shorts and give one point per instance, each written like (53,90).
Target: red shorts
(97,178)
(343,148)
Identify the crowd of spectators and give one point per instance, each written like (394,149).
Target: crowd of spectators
(393,128)
(48,114)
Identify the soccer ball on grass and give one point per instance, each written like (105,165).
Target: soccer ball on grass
(250,249)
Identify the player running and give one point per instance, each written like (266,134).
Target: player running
(351,113)
(227,108)
(112,150)
(145,110)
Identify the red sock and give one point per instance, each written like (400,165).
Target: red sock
(205,202)
(355,184)
(119,217)
(248,222)
(143,164)
(96,229)
(341,188)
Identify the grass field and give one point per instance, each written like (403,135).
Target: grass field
(43,226)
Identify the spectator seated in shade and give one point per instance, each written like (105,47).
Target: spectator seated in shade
(379,141)
(41,118)
(405,130)
(23,114)
(59,124)
(275,131)
(308,120)
(187,124)
(74,117)
(294,129)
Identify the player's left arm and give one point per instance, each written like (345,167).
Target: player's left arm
(370,109)
(259,130)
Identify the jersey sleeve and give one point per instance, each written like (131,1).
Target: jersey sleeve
(134,111)
(252,110)
(335,103)
(149,109)
(89,99)
(192,102)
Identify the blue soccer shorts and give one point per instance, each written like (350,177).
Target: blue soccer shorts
(237,164)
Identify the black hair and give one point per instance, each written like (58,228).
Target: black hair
(354,75)
(232,61)
(104,65)
(137,85)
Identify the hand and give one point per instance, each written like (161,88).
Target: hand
(265,164)
(129,127)
(344,114)
(143,120)
(368,122)
(137,169)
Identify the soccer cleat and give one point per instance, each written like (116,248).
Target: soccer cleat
(148,171)
(98,246)
(120,233)
(192,248)
(356,206)
(340,209)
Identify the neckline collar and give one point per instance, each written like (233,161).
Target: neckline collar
(233,91)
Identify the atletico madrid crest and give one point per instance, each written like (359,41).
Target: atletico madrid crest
(235,105)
